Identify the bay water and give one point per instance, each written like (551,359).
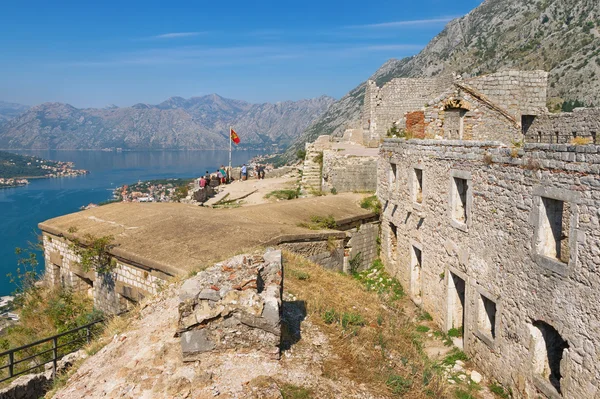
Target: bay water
(22,208)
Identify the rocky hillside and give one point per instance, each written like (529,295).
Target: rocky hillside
(11,110)
(559,36)
(195,123)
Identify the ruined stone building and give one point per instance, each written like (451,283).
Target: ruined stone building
(507,106)
(500,244)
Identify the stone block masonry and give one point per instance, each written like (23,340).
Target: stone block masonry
(564,127)
(504,248)
(233,306)
(113,291)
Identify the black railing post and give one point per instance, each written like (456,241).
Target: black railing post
(11,364)
(54,356)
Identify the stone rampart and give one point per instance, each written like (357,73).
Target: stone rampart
(566,126)
(503,248)
(111,291)
(347,173)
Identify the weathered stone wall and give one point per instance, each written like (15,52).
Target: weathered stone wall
(361,249)
(475,238)
(518,92)
(356,241)
(496,104)
(480,119)
(111,291)
(328,253)
(347,173)
(388,104)
(564,127)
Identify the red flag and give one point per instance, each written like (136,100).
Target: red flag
(234,137)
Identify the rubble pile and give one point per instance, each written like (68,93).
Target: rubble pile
(233,306)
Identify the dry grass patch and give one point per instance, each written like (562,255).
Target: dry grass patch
(374,339)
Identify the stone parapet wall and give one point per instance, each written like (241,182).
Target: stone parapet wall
(347,173)
(361,249)
(505,249)
(233,306)
(111,291)
(564,127)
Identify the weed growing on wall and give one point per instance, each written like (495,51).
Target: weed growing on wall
(94,253)
(371,203)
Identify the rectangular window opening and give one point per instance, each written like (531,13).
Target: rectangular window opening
(553,239)
(486,316)
(459,211)
(416,272)
(393,174)
(393,241)
(418,186)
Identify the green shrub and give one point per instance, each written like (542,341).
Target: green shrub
(371,203)
(301,154)
(330,316)
(453,356)
(284,194)
(423,329)
(460,394)
(498,390)
(455,332)
(290,391)
(398,384)
(323,222)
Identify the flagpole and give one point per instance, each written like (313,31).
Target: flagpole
(230,140)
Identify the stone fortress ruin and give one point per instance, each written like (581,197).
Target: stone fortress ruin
(491,220)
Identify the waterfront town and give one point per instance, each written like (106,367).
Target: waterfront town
(17,170)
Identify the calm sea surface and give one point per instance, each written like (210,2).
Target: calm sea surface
(21,209)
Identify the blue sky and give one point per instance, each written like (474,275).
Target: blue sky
(96,53)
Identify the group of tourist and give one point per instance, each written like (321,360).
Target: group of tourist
(223,176)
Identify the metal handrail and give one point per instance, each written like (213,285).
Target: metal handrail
(54,350)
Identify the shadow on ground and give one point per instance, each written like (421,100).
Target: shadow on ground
(293,314)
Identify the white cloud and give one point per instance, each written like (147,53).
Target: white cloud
(176,35)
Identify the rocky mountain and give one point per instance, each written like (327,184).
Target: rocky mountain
(559,36)
(10,110)
(195,123)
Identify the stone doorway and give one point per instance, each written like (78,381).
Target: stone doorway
(416,269)
(456,308)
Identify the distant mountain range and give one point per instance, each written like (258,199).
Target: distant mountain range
(11,110)
(558,36)
(177,123)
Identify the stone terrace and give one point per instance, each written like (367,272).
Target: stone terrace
(177,238)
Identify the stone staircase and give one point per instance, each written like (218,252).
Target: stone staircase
(311,174)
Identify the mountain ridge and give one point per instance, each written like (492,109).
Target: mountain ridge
(559,36)
(176,123)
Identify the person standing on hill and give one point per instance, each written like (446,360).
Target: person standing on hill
(261,171)
(223,175)
(244,172)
